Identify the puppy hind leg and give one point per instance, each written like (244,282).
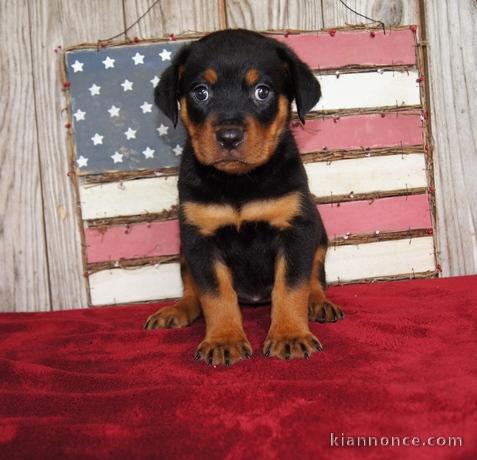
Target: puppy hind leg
(184,312)
(320,308)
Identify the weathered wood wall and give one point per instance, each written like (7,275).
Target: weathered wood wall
(40,251)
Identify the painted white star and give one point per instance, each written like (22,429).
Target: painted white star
(117,157)
(165,55)
(78,66)
(127,85)
(114,111)
(109,63)
(177,150)
(138,59)
(97,139)
(148,153)
(155,81)
(82,161)
(146,107)
(130,133)
(95,89)
(79,115)
(162,130)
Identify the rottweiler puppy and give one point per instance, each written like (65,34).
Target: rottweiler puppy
(250,231)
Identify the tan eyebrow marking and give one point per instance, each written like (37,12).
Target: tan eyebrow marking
(210,76)
(252,77)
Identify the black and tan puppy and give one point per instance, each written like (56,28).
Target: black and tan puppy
(250,232)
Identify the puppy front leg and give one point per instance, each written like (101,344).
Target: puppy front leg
(289,335)
(225,341)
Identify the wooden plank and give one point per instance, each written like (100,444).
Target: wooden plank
(384,258)
(367,175)
(24,274)
(369,89)
(452,38)
(359,131)
(392,214)
(355,47)
(343,263)
(51,25)
(171,17)
(275,14)
(391,12)
(149,282)
(156,195)
(135,241)
(128,198)
(132,241)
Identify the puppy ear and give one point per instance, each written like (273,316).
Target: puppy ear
(167,92)
(303,85)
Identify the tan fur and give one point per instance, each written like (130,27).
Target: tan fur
(259,145)
(317,293)
(225,341)
(289,335)
(278,212)
(289,305)
(210,76)
(184,312)
(252,77)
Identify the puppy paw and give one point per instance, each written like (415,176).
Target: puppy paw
(223,350)
(168,317)
(325,312)
(289,346)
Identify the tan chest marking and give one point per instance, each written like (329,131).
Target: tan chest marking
(278,212)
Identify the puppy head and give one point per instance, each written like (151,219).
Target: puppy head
(235,89)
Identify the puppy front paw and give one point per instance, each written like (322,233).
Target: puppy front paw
(224,350)
(291,345)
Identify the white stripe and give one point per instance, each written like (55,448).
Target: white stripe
(136,284)
(128,198)
(362,175)
(384,258)
(343,263)
(367,175)
(368,89)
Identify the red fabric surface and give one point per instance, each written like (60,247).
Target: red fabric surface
(93,384)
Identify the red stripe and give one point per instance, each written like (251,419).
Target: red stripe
(162,238)
(132,241)
(385,215)
(358,131)
(323,51)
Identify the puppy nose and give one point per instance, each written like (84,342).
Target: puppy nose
(230,137)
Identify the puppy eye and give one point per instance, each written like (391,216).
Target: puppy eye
(201,93)
(262,92)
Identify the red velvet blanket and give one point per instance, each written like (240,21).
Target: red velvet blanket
(93,384)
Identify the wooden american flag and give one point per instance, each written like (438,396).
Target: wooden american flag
(364,148)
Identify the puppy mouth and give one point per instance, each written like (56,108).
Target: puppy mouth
(230,161)
(233,165)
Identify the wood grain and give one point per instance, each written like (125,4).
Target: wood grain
(386,89)
(452,38)
(171,16)
(343,264)
(51,25)
(342,177)
(24,272)
(384,258)
(155,239)
(391,12)
(275,14)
